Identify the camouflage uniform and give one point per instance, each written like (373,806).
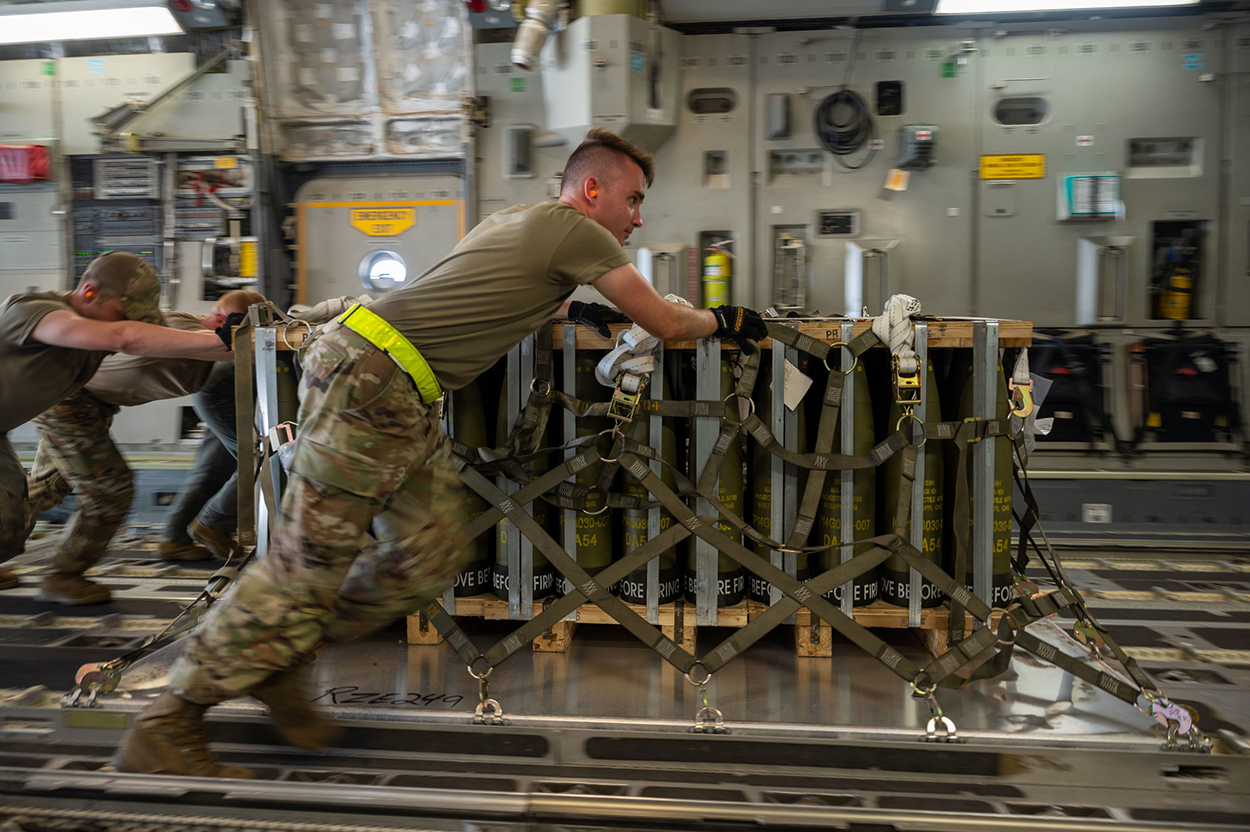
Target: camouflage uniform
(368,448)
(76,451)
(15,520)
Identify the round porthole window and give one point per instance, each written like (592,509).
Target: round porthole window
(382,271)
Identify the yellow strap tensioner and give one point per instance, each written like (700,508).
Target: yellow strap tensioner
(385,337)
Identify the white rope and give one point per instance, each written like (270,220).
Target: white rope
(633,360)
(893,326)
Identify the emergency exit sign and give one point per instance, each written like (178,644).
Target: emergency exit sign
(383,222)
(1014,166)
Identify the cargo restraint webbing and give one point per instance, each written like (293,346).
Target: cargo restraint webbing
(982,654)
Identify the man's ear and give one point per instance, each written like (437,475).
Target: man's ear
(591,187)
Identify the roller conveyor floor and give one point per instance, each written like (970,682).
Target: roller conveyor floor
(598,736)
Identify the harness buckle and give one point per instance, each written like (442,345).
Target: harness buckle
(907,389)
(973,420)
(1021,397)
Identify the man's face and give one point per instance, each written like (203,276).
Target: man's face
(617,204)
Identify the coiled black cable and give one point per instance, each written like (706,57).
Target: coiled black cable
(843,138)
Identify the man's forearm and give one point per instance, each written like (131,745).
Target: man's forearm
(676,322)
(146,339)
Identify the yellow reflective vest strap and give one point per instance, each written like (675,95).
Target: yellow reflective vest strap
(385,337)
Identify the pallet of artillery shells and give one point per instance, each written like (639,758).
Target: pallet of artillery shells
(813,638)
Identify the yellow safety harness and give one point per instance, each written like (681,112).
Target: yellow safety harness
(385,337)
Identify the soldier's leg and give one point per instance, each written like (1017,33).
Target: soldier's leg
(362,426)
(215,405)
(13,526)
(422,549)
(212,468)
(48,489)
(79,445)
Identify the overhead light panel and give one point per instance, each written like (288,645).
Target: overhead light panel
(85,20)
(999,6)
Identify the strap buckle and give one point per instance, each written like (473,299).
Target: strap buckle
(1021,397)
(623,406)
(907,389)
(973,420)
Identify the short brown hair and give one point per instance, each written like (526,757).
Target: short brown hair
(238,300)
(598,146)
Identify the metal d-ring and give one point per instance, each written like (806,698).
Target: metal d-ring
(604,432)
(847,347)
(949,732)
(701,719)
(911,414)
(750,403)
(706,679)
(534,389)
(481,676)
(605,499)
(1014,629)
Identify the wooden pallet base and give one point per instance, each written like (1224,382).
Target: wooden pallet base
(813,637)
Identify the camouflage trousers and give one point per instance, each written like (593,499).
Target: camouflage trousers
(15,519)
(76,452)
(370,452)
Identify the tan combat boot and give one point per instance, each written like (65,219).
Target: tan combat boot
(70,588)
(170,737)
(293,715)
(173,550)
(8,579)
(220,544)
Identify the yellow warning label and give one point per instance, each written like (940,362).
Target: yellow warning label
(225,162)
(383,222)
(1026,166)
(247,259)
(1154,420)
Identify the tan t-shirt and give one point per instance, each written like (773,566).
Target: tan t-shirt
(35,376)
(129,380)
(504,280)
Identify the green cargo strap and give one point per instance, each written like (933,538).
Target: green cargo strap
(706,530)
(378,331)
(532,422)
(594,590)
(568,603)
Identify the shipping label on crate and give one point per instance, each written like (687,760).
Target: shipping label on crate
(1013,166)
(383,222)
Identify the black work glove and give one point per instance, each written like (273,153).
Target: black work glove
(596,316)
(740,325)
(226,331)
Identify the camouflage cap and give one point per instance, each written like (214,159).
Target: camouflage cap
(134,280)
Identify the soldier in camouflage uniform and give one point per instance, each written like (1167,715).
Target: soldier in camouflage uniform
(52,343)
(76,452)
(370,449)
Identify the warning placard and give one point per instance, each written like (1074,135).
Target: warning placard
(1014,166)
(383,222)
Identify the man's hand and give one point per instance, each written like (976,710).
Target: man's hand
(740,325)
(226,331)
(596,316)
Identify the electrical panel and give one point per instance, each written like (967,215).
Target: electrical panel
(107,214)
(132,177)
(837,223)
(916,146)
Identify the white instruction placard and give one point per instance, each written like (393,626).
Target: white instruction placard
(797,385)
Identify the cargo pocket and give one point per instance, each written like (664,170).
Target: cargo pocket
(341,468)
